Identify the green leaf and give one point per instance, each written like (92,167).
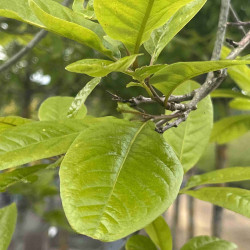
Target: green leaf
(9,122)
(208,243)
(190,138)
(230,128)
(220,176)
(55,108)
(77,108)
(140,242)
(160,233)
(162,36)
(37,140)
(228,93)
(8,217)
(10,178)
(132,22)
(100,68)
(169,78)
(78,6)
(63,21)
(235,199)
(113,175)
(240,104)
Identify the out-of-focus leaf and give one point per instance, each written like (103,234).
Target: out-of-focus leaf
(162,36)
(100,68)
(240,104)
(169,78)
(208,243)
(113,175)
(230,128)
(8,217)
(235,199)
(160,233)
(228,93)
(140,242)
(9,122)
(190,138)
(219,176)
(55,108)
(132,22)
(77,108)
(78,6)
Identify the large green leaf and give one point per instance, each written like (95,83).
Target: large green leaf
(208,243)
(113,175)
(9,122)
(140,242)
(235,199)
(169,78)
(220,176)
(77,108)
(190,138)
(160,233)
(230,128)
(63,21)
(132,22)
(100,68)
(228,93)
(55,108)
(162,36)
(240,104)
(8,216)
(37,140)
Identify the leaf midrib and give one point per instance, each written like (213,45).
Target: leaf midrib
(118,174)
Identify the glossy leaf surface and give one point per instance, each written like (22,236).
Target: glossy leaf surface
(208,243)
(113,175)
(9,122)
(140,242)
(160,233)
(77,108)
(220,176)
(55,108)
(63,21)
(235,199)
(240,104)
(169,78)
(230,128)
(100,68)
(43,139)
(132,22)
(190,138)
(162,36)
(8,217)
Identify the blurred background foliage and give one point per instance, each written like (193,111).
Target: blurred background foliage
(41,74)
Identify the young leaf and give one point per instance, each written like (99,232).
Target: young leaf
(37,140)
(190,138)
(55,108)
(235,199)
(228,93)
(162,36)
(9,122)
(8,217)
(140,242)
(208,243)
(113,175)
(132,22)
(77,108)
(100,68)
(230,128)
(160,233)
(240,104)
(169,78)
(63,21)
(220,176)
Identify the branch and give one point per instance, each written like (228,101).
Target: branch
(237,19)
(239,23)
(37,38)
